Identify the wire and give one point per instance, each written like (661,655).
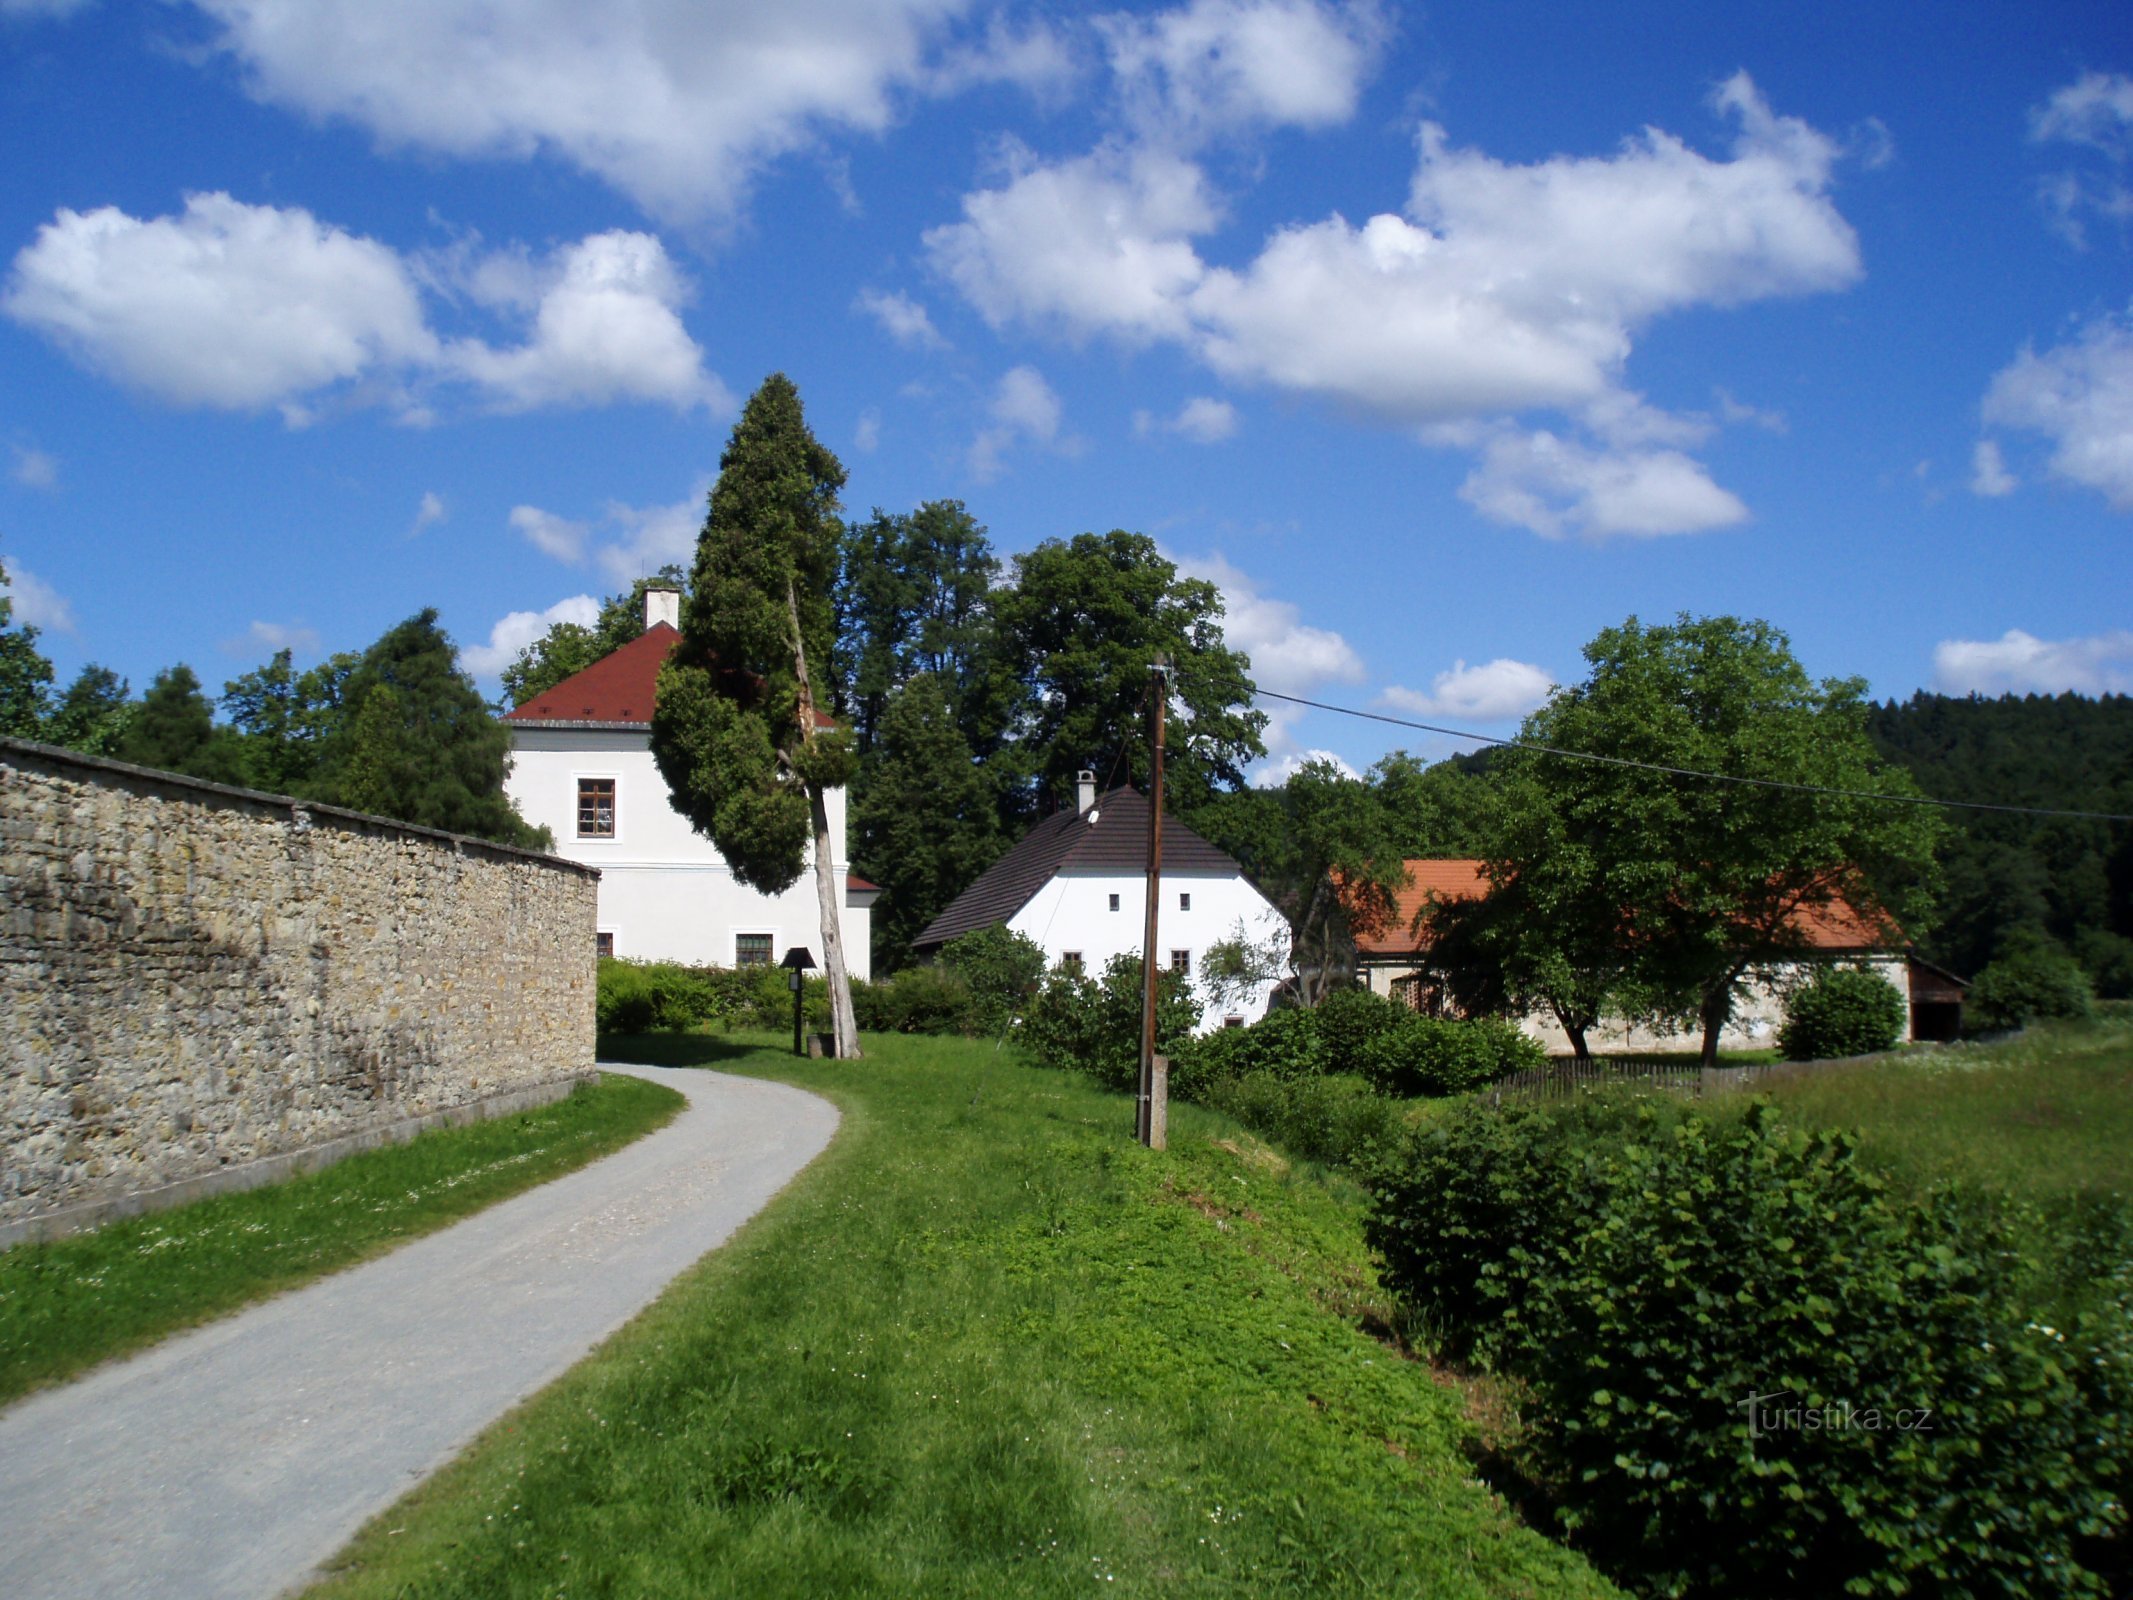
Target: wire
(1693,772)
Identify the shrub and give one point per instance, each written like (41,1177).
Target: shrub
(1001,970)
(1440,1056)
(1844,1011)
(1649,1272)
(2031,983)
(1338,1118)
(926,999)
(1093,1025)
(623,997)
(1348,1019)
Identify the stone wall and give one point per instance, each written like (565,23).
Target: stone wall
(193,978)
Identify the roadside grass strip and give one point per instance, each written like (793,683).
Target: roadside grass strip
(986,1346)
(69,1304)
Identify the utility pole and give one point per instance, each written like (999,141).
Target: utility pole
(1152,1113)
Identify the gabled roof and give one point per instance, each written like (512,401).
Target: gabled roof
(1111,836)
(1836,926)
(614,692)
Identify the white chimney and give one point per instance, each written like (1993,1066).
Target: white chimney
(1084,791)
(662,605)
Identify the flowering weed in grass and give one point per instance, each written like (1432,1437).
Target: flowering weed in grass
(68,1305)
(986,1346)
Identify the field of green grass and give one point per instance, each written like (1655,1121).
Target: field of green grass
(70,1304)
(986,1346)
(2047,1112)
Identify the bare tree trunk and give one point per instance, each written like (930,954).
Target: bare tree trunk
(1717,1007)
(1574,1030)
(844,1026)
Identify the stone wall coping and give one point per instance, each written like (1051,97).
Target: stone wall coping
(302,813)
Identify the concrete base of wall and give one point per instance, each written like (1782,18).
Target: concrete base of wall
(272,1169)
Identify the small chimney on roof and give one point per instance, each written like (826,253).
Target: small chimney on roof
(1084,791)
(662,604)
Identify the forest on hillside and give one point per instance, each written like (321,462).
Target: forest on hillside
(2010,878)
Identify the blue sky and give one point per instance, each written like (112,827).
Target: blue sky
(1441,338)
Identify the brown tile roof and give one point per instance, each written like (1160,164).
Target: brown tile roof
(1115,841)
(616,691)
(1837,926)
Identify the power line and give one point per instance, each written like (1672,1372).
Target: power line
(1693,772)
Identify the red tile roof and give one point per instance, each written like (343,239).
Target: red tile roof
(616,690)
(1837,926)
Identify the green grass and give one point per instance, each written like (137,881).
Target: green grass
(67,1305)
(986,1346)
(2048,1112)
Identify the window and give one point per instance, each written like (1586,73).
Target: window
(1181,961)
(604,943)
(1184,902)
(752,950)
(1114,902)
(1070,961)
(1232,1022)
(596,808)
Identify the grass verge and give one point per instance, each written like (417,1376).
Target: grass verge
(69,1304)
(986,1346)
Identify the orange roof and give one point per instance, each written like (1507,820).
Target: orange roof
(616,690)
(1837,926)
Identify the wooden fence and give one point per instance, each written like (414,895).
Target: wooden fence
(1561,1079)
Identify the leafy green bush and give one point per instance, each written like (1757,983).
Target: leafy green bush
(1348,1019)
(1337,1118)
(1093,1025)
(926,999)
(2031,983)
(1000,970)
(1441,1055)
(1844,1011)
(640,996)
(1731,1331)
(624,1001)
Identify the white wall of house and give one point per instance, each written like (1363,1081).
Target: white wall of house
(1758,1009)
(1073,914)
(665,893)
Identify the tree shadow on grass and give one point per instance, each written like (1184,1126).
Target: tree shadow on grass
(675,1049)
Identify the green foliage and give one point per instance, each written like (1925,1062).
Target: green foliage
(1075,633)
(923,817)
(1349,1019)
(1443,1055)
(283,718)
(671,996)
(2034,981)
(412,739)
(923,999)
(1001,969)
(1077,1023)
(1698,881)
(1842,1011)
(70,1304)
(1648,1274)
(25,675)
(728,729)
(174,731)
(1338,1119)
(92,715)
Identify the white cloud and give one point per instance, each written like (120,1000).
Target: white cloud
(2020,663)
(36,603)
(1502,690)
(518,629)
(2078,395)
(238,307)
(1557,486)
(1502,289)
(1201,419)
(653,536)
(678,103)
(13,9)
(550,534)
(1024,409)
(274,637)
(2095,111)
(1276,771)
(1222,64)
(35,469)
(1988,471)
(902,318)
(866,437)
(428,514)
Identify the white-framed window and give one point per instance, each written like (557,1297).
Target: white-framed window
(1070,961)
(596,807)
(755,949)
(604,942)
(1181,962)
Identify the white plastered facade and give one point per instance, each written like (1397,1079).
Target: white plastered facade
(666,894)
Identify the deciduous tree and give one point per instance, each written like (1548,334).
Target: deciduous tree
(734,728)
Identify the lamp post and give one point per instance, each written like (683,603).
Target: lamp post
(797,961)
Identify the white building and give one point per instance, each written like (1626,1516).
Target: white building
(1077,887)
(582,767)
